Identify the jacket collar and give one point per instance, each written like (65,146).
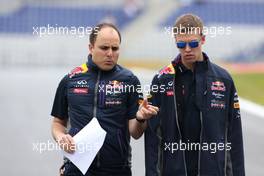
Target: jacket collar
(199,66)
(91,65)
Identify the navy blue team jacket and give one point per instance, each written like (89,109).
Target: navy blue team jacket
(221,141)
(111,97)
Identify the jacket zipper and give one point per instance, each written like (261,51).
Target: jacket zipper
(177,122)
(120,144)
(201,139)
(95,109)
(226,131)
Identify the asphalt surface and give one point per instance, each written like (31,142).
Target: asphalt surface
(26,97)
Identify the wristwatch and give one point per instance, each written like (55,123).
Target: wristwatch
(140,120)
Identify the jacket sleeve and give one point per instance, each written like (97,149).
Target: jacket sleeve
(152,141)
(134,98)
(60,103)
(235,136)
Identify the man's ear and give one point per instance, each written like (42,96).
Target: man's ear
(203,39)
(91,47)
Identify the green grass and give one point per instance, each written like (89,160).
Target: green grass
(250,86)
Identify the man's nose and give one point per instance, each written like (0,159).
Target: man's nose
(109,52)
(188,48)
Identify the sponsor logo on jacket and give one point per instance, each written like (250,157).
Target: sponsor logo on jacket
(81,69)
(167,70)
(218,86)
(218,104)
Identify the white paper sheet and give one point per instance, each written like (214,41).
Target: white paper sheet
(88,142)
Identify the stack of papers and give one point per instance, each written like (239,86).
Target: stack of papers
(88,142)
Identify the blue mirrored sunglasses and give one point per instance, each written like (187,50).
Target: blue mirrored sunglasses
(192,44)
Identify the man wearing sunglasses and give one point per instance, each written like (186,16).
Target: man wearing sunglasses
(198,128)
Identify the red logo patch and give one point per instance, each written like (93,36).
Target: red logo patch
(165,70)
(217,85)
(75,71)
(80,90)
(170,93)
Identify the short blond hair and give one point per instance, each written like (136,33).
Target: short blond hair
(187,24)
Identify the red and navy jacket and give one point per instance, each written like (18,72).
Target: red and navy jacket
(221,144)
(88,92)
